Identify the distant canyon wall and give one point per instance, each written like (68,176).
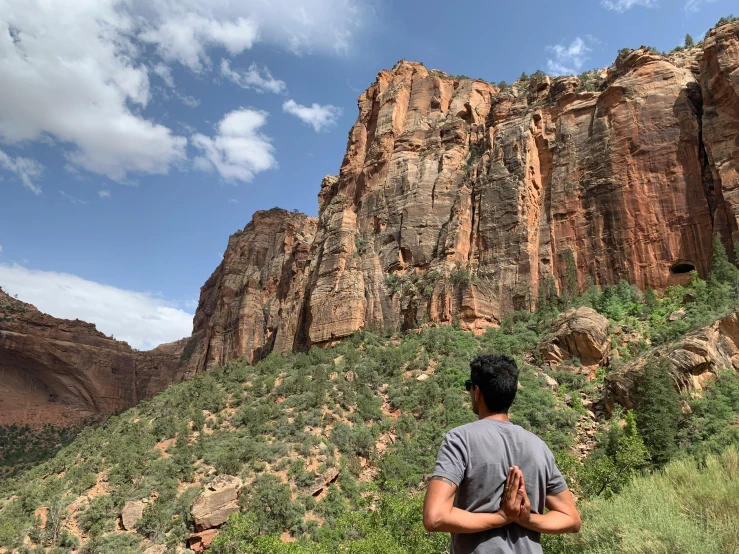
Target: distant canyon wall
(56,370)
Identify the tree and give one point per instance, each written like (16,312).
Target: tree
(547,300)
(621,455)
(658,412)
(723,281)
(689,42)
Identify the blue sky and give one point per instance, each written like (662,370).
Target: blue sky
(136,136)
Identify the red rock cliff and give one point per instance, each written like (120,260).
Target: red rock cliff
(456,200)
(56,370)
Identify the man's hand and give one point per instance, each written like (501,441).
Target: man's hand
(562,517)
(524,513)
(513,495)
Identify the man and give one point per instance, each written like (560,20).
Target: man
(493,478)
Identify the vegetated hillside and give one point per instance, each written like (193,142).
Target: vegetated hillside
(332,446)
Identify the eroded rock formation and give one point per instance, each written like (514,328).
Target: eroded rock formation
(56,370)
(692,360)
(457,200)
(580,334)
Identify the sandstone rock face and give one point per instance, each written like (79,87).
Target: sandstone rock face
(215,504)
(131,514)
(457,200)
(692,360)
(54,370)
(253,302)
(719,79)
(581,333)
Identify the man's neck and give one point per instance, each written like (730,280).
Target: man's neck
(484,414)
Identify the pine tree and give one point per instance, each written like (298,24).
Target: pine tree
(547,299)
(651,301)
(658,412)
(689,42)
(723,281)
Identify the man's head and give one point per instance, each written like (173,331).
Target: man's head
(494,381)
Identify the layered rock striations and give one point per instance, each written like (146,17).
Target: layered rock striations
(56,370)
(457,200)
(254,301)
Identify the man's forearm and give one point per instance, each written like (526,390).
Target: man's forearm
(553,522)
(462,521)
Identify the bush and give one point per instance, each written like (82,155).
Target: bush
(270,501)
(620,456)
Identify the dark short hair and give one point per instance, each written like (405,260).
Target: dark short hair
(496,376)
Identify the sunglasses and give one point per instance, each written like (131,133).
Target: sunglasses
(468,384)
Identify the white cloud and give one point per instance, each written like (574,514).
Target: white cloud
(77,72)
(695,5)
(73,199)
(239,150)
(104,193)
(71,73)
(165,73)
(26,169)
(141,319)
(1,248)
(183,30)
(252,78)
(320,117)
(183,37)
(233,201)
(625,5)
(189,101)
(568,59)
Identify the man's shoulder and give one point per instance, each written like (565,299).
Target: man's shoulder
(504,428)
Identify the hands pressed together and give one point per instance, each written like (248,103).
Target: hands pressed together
(515,506)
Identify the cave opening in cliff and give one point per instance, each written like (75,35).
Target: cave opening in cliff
(682,267)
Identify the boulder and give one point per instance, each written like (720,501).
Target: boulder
(580,333)
(322,482)
(199,542)
(217,502)
(131,514)
(551,383)
(692,360)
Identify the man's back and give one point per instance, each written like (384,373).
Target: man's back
(477,457)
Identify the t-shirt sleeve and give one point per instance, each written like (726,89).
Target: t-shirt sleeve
(555,482)
(452,459)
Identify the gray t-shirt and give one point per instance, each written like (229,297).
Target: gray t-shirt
(476,457)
